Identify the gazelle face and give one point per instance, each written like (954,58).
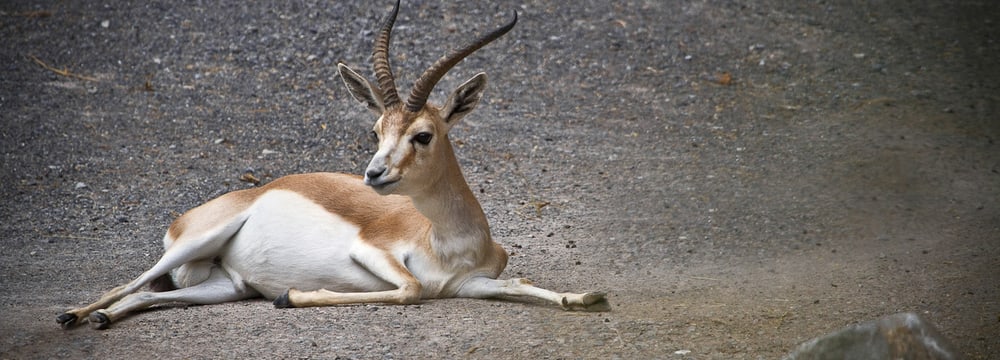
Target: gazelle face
(409,148)
(413,148)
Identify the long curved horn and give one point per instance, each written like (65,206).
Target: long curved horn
(380,61)
(423,86)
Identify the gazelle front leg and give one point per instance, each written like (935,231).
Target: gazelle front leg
(376,261)
(484,288)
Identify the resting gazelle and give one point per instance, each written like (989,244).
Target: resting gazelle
(410,229)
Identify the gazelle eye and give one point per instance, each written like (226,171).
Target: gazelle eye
(423,138)
(374,136)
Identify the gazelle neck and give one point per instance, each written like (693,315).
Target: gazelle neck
(451,207)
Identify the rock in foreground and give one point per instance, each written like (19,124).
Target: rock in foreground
(899,336)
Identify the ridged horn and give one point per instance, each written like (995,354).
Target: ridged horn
(423,86)
(380,61)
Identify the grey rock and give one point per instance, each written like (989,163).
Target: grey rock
(899,336)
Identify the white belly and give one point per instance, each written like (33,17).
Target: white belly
(290,242)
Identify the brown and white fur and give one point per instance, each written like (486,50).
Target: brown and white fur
(410,229)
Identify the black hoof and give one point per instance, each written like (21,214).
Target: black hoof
(66,320)
(282,302)
(596,297)
(600,305)
(99,321)
(591,302)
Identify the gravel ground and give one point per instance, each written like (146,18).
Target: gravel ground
(740,176)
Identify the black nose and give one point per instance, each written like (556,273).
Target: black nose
(374,173)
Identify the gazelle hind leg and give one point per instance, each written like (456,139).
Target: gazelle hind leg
(484,288)
(218,288)
(181,251)
(71,318)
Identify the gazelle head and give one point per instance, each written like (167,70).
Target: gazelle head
(412,138)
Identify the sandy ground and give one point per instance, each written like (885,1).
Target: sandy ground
(739,176)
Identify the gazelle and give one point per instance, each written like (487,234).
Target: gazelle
(410,229)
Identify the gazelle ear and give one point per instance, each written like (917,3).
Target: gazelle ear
(464,99)
(361,89)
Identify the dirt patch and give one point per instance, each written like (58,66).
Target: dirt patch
(739,176)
